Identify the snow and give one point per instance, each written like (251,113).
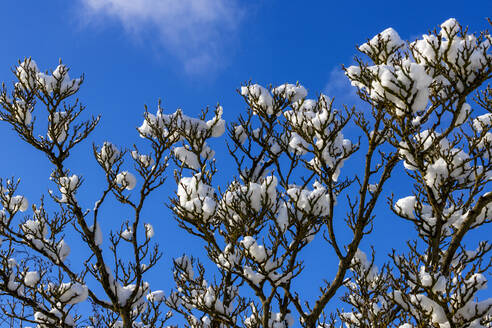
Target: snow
(298,144)
(67,186)
(478,280)
(463,53)
(23,113)
(313,115)
(314,202)
(463,301)
(485,145)
(473,309)
(149,230)
(255,194)
(239,134)
(123,293)
(463,113)
(269,188)
(254,277)
(485,213)
(58,126)
(275,147)
(332,155)
(424,139)
(178,126)
(440,161)
(126,180)
(307,105)
(15,286)
(228,258)
(256,94)
(405,82)
(46,81)
(419,92)
(59,80)
(282,217)
(11,282)
(209,298)
(425,48)
(146,129)
(483,121)
(127,234)
(217,124)
(425,278)
(449,28)
(403,85)
(290,92)
(98,237)
(374,46)
(195,196)
(251,197)
(144,160)
(63,250)
(41,318)
(63,82)
(257,252)
(316,120)
(440,285)
(454,218)
(18,203)
(34,229)
(431,308)
(276,320)
(108,154)
(427,139)
(370,270)
(15,203)
(398,83)
(156,296)
(26,72)
(436,173)
(185,264)
(73,293)
(189,158)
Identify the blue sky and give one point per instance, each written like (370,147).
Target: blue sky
(193,54)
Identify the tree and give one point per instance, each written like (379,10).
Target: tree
(289,187)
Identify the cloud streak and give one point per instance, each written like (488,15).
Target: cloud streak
(196,32)
(339,87)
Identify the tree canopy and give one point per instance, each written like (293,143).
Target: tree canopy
(425,104)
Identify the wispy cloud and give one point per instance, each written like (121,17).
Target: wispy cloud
(194,31)
(339,87)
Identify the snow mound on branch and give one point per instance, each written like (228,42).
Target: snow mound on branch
(196,197)
(126,180)
(389,37)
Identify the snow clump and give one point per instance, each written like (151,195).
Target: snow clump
(196,197)
(126,180)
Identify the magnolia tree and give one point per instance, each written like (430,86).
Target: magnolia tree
(426,107)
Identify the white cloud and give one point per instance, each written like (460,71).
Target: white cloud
(194,31)
(339,87)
